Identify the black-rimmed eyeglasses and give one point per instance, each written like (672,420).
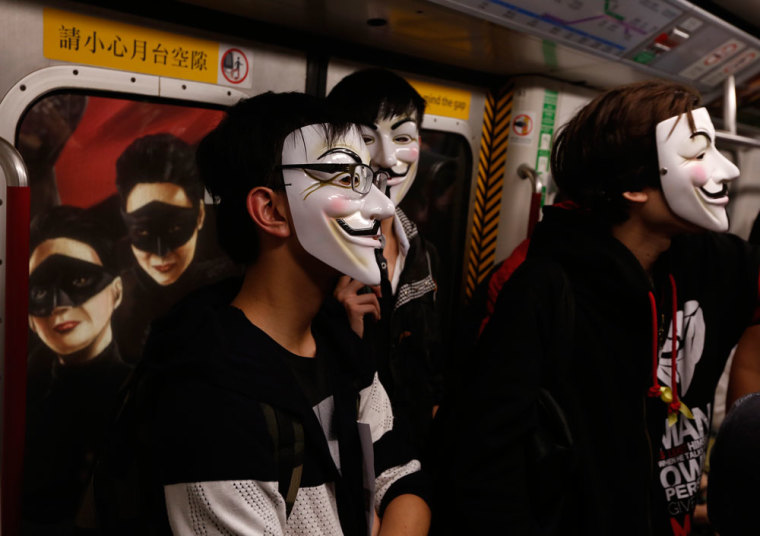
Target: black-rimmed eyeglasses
(360,177)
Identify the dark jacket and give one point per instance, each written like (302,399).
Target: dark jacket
(630,472)
(210,370)
(68,409)
(407,339)
(145,300)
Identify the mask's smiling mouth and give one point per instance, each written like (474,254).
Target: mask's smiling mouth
(397,177)
(720,194)
(368,231)
(366,237)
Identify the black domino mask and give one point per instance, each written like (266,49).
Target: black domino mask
(159,228)
(61,281)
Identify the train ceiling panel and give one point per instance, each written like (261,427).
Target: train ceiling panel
(597,43)
(423,30)
(592,42)
(669,38)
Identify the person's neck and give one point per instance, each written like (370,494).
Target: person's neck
(645,244)
(281,298)
(391,249)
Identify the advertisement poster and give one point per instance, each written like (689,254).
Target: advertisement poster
(119,233)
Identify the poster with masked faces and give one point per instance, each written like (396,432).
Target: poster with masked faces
(119,233)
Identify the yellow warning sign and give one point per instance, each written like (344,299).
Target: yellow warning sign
(443,100)
(104,43)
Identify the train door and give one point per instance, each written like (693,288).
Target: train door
(109,227)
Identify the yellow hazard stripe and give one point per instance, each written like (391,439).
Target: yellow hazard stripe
(494,142)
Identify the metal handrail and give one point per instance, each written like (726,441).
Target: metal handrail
(729,105)
(12,164)
(728,136)
(736,140)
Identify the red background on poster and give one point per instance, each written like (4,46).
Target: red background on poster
(86,168)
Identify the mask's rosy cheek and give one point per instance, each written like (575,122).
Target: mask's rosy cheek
(698,175)
(340,206)
(409,154)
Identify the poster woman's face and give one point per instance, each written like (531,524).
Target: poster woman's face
(163,226)
(71,298)
(694,175)
(394,145)
(333,220)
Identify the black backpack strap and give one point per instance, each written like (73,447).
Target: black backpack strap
(288,438)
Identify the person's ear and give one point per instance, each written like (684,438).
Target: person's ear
(201,215)
(31,324)
(268,209)
(636,197)
(117,288)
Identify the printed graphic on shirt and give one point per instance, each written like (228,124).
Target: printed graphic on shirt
(690,342)
(684,444)
(681,457)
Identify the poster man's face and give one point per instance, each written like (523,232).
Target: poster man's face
(163,227)
(695,184)
(71,297)
(333,221)
(394,145)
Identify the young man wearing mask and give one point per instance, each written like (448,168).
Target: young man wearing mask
(400,318)
(296,203)
(589,406)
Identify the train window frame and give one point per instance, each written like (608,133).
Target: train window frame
(40,83)
(14,106)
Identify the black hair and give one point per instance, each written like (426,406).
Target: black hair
(610,147)
(243,152)
(372,94)
(65,221)
(158,158)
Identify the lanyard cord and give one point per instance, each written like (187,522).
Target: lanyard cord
(656,390)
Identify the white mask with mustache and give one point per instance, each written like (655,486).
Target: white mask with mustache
(394,145)
(693,173)
(334,223)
